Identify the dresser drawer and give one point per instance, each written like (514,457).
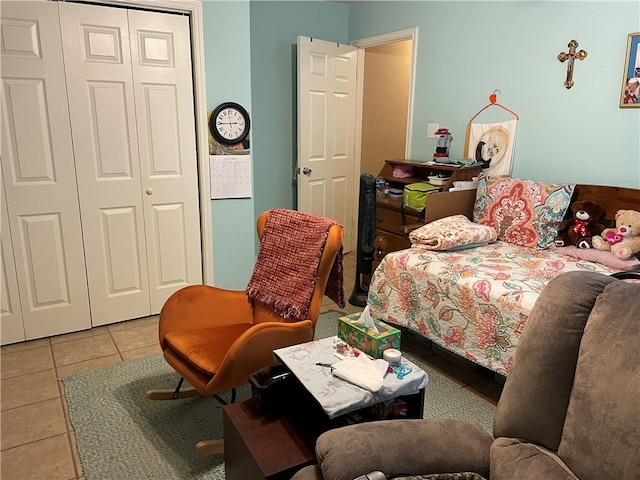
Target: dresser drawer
(391,220)
(394,241)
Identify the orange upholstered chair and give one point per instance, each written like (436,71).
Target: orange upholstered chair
(215,338)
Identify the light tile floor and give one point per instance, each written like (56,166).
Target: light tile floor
(36,438)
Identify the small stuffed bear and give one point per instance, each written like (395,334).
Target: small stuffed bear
(584,225)
(624,240)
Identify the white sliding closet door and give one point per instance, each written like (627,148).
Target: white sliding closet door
(163,86)
(11,323)
(100,206)
(132,118)
(103,122)
(39,176)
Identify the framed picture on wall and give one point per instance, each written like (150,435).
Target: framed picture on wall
(630,93)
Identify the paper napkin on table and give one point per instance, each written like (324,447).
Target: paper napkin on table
(362,371)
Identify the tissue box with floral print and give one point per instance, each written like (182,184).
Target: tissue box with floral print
(365,339)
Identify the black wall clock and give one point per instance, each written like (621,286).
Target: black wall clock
(229,123)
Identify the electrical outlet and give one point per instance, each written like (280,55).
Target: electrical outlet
(431,129)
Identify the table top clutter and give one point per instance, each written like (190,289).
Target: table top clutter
(311,364)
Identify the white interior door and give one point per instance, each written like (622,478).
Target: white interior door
(38,173)
(326,131)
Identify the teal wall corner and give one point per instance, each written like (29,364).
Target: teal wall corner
(466,50)
(228,78)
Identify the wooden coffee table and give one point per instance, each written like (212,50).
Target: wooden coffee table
(258,446)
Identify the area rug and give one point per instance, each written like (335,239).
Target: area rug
(120,434)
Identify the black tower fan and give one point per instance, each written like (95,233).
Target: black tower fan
(366,238)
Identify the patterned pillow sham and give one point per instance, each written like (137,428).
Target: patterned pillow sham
(452,232)
(523,212)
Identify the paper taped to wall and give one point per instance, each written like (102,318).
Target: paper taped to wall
(230,176)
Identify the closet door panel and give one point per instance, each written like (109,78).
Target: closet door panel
(103,120)
(11,323)
(38,173)
(161,60)
(119,233)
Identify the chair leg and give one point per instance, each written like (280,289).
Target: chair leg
(177,393)
(210,447)
(204,447)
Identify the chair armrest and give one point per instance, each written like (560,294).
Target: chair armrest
(253,350)
(412,447)
(310,472)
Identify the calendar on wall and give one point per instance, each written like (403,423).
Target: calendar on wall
(230,176)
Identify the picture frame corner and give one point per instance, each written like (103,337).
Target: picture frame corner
(629,98)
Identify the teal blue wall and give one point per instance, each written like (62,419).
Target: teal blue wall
(465,51)
(250,58)
(227,69)
(275,27)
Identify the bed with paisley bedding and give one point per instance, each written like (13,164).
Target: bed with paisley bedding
(471,295)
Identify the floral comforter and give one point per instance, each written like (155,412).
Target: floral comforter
(473,302)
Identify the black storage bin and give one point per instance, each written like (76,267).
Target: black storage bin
(271,388)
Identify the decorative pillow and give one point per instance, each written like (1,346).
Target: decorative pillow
(523,212)
(603,257)
(452,232)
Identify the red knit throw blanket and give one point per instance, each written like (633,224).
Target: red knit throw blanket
(288,260)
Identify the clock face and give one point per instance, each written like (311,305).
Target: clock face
(229,123)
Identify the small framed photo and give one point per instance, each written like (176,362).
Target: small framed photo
(630,93)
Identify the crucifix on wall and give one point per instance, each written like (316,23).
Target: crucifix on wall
(571,55)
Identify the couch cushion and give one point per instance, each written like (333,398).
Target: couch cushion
(513,459)
(523,212)
(601,436)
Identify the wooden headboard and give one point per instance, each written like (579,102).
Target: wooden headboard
(611,199)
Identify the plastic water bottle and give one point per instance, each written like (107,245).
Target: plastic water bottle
(380,186)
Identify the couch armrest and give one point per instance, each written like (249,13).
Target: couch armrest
(311,472)
(403,447)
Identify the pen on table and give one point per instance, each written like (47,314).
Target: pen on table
(320,364)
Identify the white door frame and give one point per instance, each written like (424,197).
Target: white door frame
(194,9)
(362,43)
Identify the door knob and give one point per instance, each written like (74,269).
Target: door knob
(306,171)
(149,191)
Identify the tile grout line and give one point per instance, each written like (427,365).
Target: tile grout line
(68,426)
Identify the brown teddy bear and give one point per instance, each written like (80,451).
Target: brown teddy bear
(582,227)
(624,240)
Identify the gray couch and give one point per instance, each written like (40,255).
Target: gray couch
(570,407)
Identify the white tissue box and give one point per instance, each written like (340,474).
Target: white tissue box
(362,338)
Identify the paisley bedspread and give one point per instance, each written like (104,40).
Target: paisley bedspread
(472,302)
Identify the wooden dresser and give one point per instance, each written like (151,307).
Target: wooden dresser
(390,224)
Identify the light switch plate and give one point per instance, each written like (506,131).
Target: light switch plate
(431,129)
